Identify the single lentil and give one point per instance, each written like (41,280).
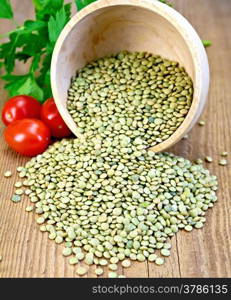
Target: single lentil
(201,123)
(8,174)
(165,252)
(19,192)
(126,263)
(199,161)
(113,267)
(99,271)
(81,271)
(152,257)
(40,220)
(223,162)
(112,275)
(67,251)
(159,261)
(80,255)
(224,153)
(29,208)
(20,169)
(16,198)
(208,159)
(73,260)
(18,184)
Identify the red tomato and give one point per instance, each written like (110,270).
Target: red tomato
(52,118)
(20,107)
(28,136)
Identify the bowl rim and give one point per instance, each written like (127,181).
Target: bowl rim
(190,37)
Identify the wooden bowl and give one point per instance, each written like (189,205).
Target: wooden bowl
(109,26)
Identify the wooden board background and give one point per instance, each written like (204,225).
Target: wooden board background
(202,253)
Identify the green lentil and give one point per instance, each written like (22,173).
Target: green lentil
(106,194)
(16,198)
(18,184)
(165,252)
(224,153)
(223,162)
(19,192)
(199,161)
(81,271)
(199,225)
(114,260)
(188,228)
(126,263)
(99,271)
(59,239)
(27,192)
(67,251)
(8,174)
(80,255)
(89,258)
(152,257)
(130,96)
(159,261)
(40,220)
(208,159)
(112,275)
(73,260)
(140,257)
(113,229)
(103,262)
(29,208)
(167,246)
(201,123)
(113,267)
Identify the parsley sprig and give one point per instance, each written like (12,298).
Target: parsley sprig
(33,41)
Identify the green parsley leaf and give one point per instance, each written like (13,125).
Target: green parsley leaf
(5,10)
(44,77)
(31,25)
(56,24)
(35,39)
(44,4)
(67,8)
(14,83)
(22,56)
(47,8)
(23,85)
(35,63)
(82,3)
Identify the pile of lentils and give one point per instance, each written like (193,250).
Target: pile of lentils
(137,94)
(110,200)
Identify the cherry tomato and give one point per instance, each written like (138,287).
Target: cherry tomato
(20,107)
(51,116)
(28,136)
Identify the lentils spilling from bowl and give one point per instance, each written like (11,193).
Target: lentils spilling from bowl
(137,94)
(107,197)
(111,200)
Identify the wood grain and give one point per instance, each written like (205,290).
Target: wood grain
(202,253)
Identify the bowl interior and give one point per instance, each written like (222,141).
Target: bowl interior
(108,30)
